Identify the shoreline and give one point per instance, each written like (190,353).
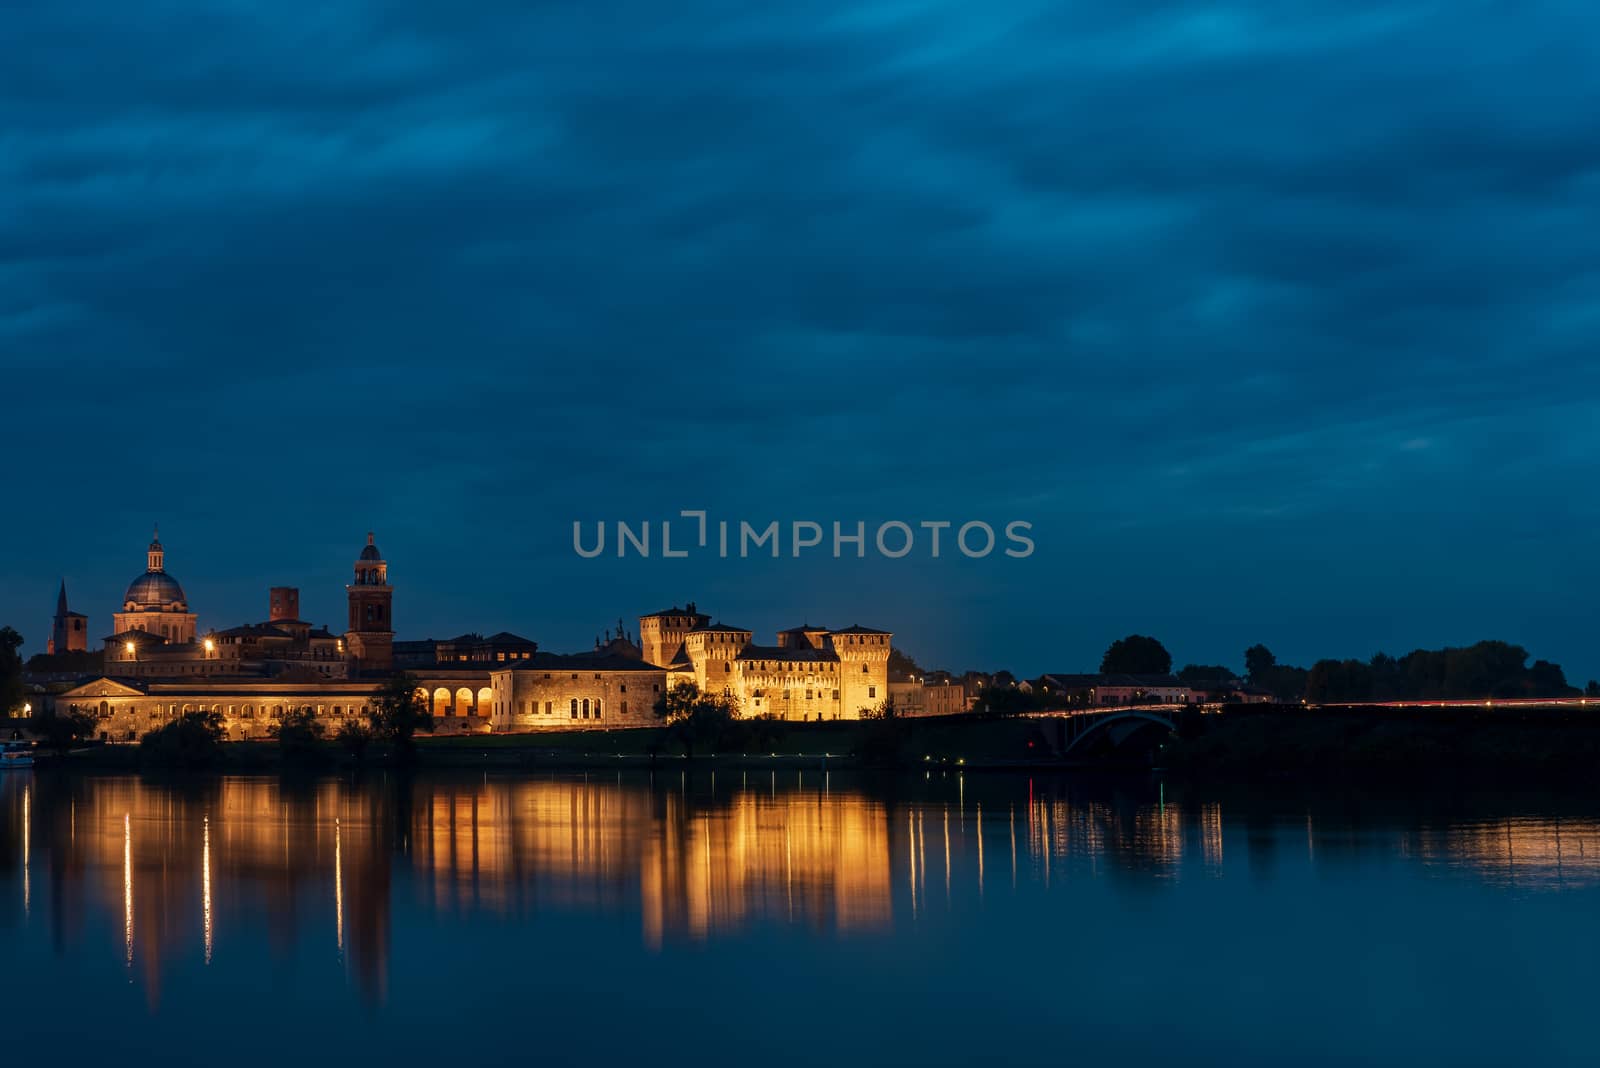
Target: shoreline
(1244,745)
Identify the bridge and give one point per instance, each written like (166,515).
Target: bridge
(1077,727)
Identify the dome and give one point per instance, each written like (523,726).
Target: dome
(154,589)
(371,551)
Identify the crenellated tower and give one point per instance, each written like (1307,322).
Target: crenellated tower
(661,634)
(714,651)
(369,640)
(863,669)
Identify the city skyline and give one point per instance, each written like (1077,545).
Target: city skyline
(325,608)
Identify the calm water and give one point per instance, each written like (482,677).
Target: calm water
(790,919)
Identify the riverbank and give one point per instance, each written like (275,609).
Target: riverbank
(1365,743)
(1242,745)
(952,741)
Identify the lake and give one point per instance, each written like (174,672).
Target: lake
(791,918)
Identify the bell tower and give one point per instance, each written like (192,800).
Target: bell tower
(369,640)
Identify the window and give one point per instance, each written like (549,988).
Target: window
(574,708)
(624,688)
(597,704)
(836,695)
(872,691)
(585,708)
(625,707)
(549,708)
(808,695)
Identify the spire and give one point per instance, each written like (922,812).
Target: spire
(61,601)
(154,557)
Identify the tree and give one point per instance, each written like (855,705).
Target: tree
(1593,689)
(356,738)
(1136,655)
(300,735)
(885,710)
(901,662)
(398,712)
(1004,701)
(1547,680)
(193,740)
(11,691)
(1258,664)
(64,728)
(1204,674)
(694,718)
(1339,680)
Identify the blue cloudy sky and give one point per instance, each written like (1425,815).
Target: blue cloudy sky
(1277,320)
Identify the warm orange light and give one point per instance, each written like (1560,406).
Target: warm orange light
(128,647)
(210,645)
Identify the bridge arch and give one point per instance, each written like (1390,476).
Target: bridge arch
(1106,722)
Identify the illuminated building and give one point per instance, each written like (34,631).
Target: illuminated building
(812,673)
(157,667)
(69,631)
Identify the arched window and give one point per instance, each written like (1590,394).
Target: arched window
(585,708)
(574,708)
(597,704)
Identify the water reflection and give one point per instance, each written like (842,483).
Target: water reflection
(195,869)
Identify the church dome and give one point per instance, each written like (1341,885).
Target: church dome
(370,552)
(154,590)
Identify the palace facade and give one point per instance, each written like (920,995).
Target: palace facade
(158,665)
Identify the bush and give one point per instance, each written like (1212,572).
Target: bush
(300,736)
(193,740)
(356,738)
(62,729)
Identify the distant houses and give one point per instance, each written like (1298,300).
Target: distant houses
(1073,689)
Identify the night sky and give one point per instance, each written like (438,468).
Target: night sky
(1277,320)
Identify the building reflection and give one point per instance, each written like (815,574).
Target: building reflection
(203,872)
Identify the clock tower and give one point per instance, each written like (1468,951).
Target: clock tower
(369,640)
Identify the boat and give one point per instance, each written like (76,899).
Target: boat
(16,755)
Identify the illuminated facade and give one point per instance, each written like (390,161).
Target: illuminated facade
(812,673)
(154,605)
(157,667)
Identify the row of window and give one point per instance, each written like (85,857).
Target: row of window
(577,708)
(812,695)
(105,710)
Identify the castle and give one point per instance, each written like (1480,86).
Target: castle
(159,665)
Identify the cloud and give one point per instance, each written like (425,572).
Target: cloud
(490,267)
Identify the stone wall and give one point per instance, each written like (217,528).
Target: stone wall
(525,699)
